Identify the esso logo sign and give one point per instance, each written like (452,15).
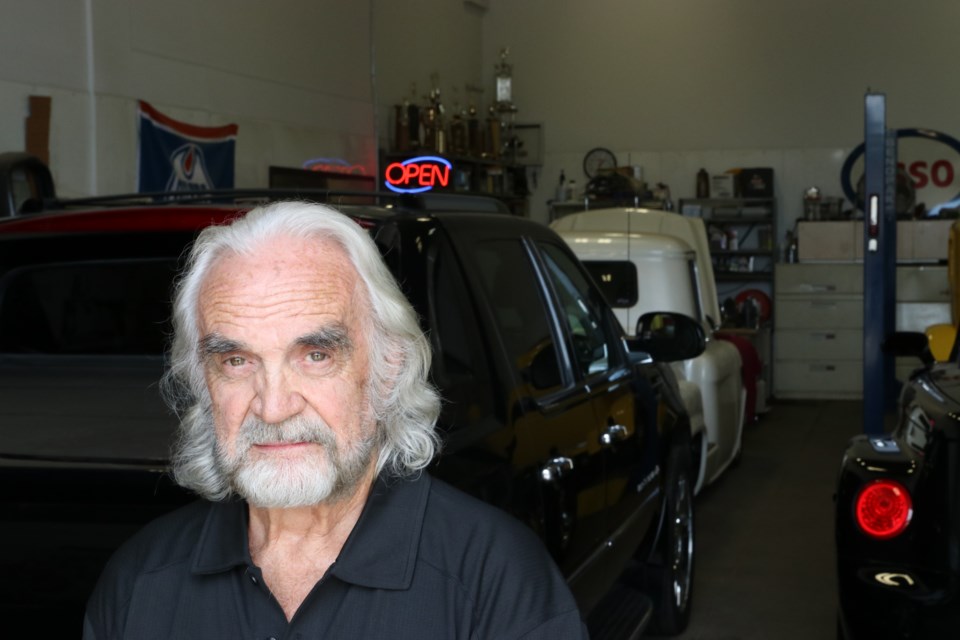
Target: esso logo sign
(922,173)
(417,175)
(931,159)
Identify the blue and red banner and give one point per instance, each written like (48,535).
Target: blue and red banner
(176,156)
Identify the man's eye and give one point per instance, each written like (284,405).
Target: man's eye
(317,356)
(236,361)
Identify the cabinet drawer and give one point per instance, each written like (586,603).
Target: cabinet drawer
(806,279)
(806,344)
(818,379)
(923,284)
(819,313)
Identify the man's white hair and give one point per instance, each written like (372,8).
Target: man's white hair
(403,402)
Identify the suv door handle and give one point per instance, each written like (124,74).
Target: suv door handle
(613,433)
(555,469)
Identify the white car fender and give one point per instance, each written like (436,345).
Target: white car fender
(693,403)
(717,373)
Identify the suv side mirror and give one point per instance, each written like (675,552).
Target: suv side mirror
(667,336)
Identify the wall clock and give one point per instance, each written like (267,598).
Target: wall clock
(597,160)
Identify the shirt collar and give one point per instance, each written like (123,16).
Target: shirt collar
(223,539)
(381,551)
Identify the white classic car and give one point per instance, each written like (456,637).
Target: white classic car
(646,260)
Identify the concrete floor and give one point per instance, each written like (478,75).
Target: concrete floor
(765,554)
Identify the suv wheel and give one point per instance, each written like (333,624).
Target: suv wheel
(671,582)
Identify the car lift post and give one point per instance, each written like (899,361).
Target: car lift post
(879,263)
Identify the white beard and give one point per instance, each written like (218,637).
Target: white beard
(305,478)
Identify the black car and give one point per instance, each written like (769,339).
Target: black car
(898,512)
(550,412)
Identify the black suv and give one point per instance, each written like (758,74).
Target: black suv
(550,411)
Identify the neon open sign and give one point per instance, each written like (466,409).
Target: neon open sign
(417,175)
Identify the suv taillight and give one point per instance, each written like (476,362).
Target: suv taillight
(883,509)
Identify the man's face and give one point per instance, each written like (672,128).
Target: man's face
(286,363)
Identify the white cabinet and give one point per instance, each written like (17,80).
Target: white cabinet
(818,336)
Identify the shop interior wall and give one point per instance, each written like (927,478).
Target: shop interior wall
(295,76)
(423,44)
(679,85)
(669,86)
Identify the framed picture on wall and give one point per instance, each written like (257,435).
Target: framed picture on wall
(529,144)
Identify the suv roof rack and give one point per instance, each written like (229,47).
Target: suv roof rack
(404,201)
(26,187)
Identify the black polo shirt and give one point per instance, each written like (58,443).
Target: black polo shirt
(423,561)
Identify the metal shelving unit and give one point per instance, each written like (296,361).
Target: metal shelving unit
(747,267)
(743,236)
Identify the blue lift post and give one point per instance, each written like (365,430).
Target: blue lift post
(879,263)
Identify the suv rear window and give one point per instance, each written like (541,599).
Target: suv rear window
(108,307)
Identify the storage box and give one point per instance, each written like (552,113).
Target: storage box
(930,239)
(841,241)
(722,186)
(917,240)
(756,182)
(828,241)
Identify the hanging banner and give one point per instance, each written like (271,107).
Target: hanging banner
(176,156)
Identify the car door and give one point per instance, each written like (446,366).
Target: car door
(477,439)
(624,404)
(556,454)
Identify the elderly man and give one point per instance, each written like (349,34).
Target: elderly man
(299,372)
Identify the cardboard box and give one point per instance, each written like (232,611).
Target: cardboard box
(929,239)
(828,241)
(842,241)
(722,186)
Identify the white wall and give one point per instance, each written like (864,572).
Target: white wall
(293,74)
(671,85)
(415,39)
(682,84)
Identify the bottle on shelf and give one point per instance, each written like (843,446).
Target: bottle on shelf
(703,184)
(790,248)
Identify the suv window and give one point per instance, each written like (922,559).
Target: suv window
(460,367)
(93,308)
(594,341)
(508,279)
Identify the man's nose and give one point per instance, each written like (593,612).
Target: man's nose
(278,397)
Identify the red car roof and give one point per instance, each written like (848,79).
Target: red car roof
(139,218)
(147,217)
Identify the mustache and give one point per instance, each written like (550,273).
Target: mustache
(298,429)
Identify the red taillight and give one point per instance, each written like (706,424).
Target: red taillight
(883,509)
